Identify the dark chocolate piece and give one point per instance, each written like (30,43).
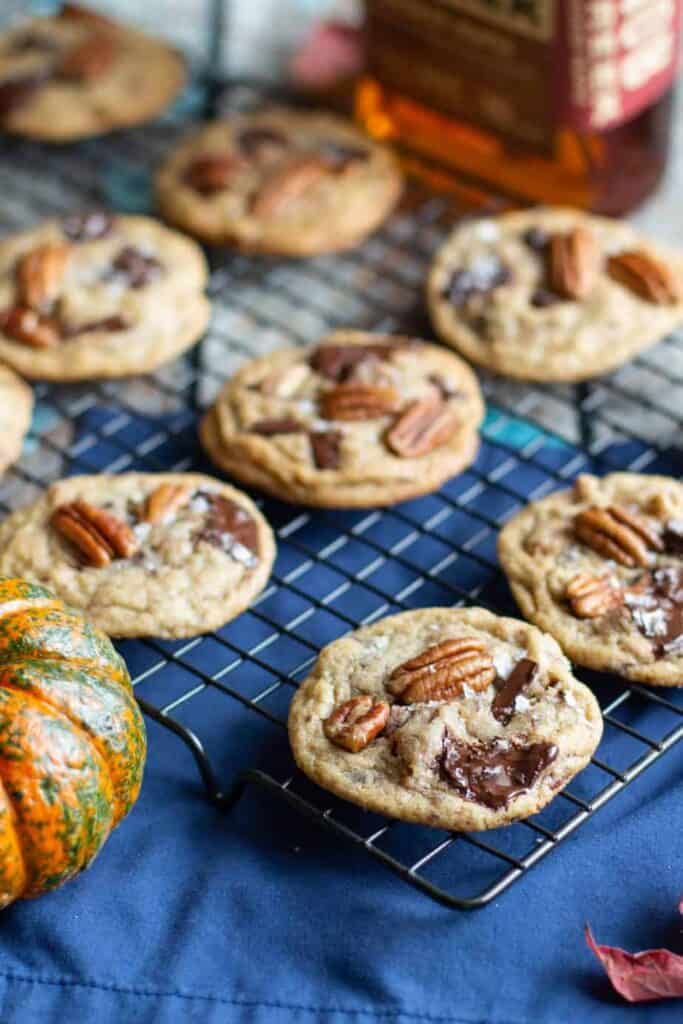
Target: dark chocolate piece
(656,607)
(541,298)
(87,226)
(339,156)
(503,706)
(32,42)
(326,448)
(336,362)
(673,537)
(445,389)
(16,91)
(137,268)
(493,773)
(109,323)
(536,239)
(253,141)
(270,428)
(226,519)
(484,276)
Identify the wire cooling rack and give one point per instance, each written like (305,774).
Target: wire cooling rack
(226,695)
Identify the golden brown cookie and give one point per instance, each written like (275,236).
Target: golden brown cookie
(450,717)
(360,420)
(143,554)
(553,294)
(78,74)
(600,568)
(99,295)
(280,181)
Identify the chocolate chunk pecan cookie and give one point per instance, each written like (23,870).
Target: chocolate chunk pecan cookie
(99,295)
(79,74)
(600,567)
(143,554)
(553,294)
(279,182)
(456,718)
(360,420)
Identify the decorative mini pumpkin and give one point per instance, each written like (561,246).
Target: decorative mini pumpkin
(72,741)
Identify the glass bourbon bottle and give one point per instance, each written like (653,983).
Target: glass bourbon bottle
(558,101)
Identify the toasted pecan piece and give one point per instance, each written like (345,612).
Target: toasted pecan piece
(166,499)
(426,424)
(90,59)
(616,533)
(212,172)
(287,184)
(645,274)
(573,262)
(442,670)
(40,273)
(359,402)
(356,722)
(99,535)
(29,327)
(591,596)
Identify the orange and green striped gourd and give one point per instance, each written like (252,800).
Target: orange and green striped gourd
(72,741)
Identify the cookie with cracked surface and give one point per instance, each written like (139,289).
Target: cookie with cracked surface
(360,420)
(279,181)
(16,406)
(450,717)
(97,294)
(553,294)
(600,567)
(143,554)
(78,74)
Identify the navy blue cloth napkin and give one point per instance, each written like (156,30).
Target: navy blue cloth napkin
(257,916)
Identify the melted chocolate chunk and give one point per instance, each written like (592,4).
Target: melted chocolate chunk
(673,537)
(326,448)
(135,267)
(337,362)
(503,706)
(254,141)
(656,607)
(339,156)
(483,277)
(270,428)
(88,225)
(536,239)
(541,298)
(109,323)
(493,773)
(227,521)
(16,91)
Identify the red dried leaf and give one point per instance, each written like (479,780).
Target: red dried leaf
(641,977)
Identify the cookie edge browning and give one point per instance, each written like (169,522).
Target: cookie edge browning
(524,581)
(242,596)
(459,336)
(244,467)
(412,806)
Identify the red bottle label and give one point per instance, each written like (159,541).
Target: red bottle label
(615,58)
(521,68)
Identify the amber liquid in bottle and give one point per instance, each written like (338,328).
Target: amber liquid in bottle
(608,171)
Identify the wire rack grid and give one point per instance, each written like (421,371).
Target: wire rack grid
(226,695)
